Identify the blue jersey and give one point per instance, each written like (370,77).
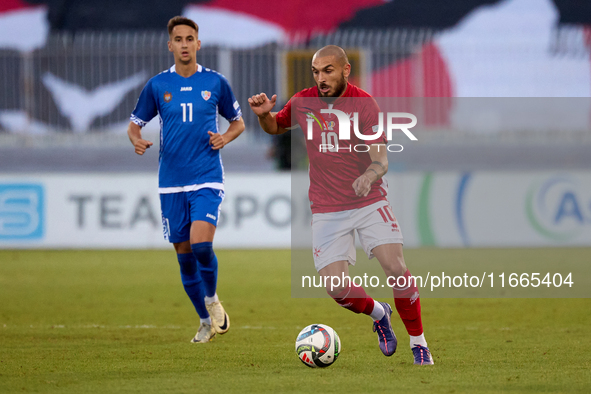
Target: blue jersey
(188,109)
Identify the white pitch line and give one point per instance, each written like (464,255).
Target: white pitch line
(257,327)
(128,326)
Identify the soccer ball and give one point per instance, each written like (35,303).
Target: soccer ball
(318,346)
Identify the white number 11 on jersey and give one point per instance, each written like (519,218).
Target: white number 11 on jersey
(185,105)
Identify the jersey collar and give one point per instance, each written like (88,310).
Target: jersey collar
(173,68)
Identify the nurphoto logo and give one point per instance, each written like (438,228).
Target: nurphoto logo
(330,139)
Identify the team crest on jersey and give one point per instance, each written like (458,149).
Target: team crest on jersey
(318,118)
(206,94)
(167,97)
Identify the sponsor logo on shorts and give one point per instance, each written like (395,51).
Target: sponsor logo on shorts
(317,252)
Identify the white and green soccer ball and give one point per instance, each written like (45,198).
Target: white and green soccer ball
(318,346)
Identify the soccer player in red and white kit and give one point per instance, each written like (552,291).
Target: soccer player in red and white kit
(347,194)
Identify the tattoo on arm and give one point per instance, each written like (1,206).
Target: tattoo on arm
(379,164)
(377,175)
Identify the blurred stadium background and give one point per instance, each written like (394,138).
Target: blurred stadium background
(502,91)
(71,76)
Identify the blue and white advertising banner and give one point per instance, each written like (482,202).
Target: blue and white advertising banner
(434,209)
(123,211)
(494,209)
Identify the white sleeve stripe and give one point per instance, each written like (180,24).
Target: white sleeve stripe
(137,120)
(238,115)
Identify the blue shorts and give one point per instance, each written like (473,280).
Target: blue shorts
(179,210)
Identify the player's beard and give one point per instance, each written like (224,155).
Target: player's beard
(339,89)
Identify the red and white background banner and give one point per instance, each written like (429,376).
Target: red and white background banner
(503,48)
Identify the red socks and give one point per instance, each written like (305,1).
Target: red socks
(408,305)
(406,299)
(355,299)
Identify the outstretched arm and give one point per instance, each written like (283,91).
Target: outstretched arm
(218,141)
(376,170)
(262,106)
(134,133)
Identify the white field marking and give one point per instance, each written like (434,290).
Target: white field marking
(340,329)
(84,326)
(130,326)
(257,327)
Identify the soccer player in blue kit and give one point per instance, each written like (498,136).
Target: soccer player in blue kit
(188,97)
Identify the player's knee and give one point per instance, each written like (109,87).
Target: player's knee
(396,268)
(189,272)
(338,293)
(187,263)
(203,252)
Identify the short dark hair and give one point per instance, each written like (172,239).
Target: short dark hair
(181,20)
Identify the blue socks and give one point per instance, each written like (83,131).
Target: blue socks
(208,266)
(199,281)
(192,282)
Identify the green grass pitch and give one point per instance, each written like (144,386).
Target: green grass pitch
(119,321)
